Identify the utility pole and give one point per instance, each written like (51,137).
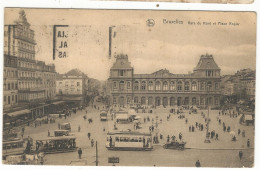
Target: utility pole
(96,154)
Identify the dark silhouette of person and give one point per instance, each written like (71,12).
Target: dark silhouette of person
(197,164)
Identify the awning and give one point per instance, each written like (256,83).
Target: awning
(59,102)
(18,113)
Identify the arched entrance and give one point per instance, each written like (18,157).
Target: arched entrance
(186,101)
(179,101)
(143,101)
(121,101)
(150,101)
(165,101)
(194,101)
(172,100)
(157,101)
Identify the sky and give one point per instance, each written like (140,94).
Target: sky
(176,47)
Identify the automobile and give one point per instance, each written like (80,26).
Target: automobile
(65,126)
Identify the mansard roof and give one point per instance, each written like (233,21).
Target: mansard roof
(206,62)
(122,62)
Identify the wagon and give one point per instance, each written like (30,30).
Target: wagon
(174,145)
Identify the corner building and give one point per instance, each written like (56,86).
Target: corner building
(162,88)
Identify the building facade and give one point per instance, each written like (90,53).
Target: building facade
(162,88)
(72,85)
(10,91)
(35,79)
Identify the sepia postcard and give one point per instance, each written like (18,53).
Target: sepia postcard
(128,88)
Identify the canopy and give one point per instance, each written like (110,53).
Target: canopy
(59,102)
(18,113)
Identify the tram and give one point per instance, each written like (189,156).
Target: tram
(129,140)
(13,147)
(57,144)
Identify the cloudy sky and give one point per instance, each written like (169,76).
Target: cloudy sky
(176,47)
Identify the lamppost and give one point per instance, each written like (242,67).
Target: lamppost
(207,140)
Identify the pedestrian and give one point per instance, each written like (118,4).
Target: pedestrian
(89,135)
(79,153)
(186,120)
(180,136)
(197,164)
(248,143)
(216,137)
(189,128)
(92,143)
(243,133)
(48,133)
(238,131)
(168,138)
(79,129)
(173,138)
(192,128)
(240,154)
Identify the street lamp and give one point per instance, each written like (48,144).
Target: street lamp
(207,140)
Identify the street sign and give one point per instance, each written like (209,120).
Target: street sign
(113,159)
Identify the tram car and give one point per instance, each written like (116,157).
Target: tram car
(129,140)
(15,146)
(57,144)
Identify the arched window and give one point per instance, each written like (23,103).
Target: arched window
(128,85)
(121,85)
(216,86)
(202,86)
(172,86)
(150,85)
(136,85)
(143,86)
(187,86)
(165,86)
(179,86)
(209,86)
(194,86)
(114,84)
(157,85)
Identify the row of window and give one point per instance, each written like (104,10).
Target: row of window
(31,96)
(24,31)
(11,86)
(35,84)
(33,74)
(171,101)
(10,73)
(12,99)
(186,86)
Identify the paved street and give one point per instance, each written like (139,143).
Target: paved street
(218,153)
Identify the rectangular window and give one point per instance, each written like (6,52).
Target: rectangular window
(9,100)
(121,72)
(78,83)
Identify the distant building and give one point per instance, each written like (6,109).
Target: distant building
(162,88)
(72,86)
(241,85)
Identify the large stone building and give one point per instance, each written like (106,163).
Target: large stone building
(35,80)
(162,88)
(72,86)
(29,84)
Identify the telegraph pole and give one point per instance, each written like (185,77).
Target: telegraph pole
(96,154)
